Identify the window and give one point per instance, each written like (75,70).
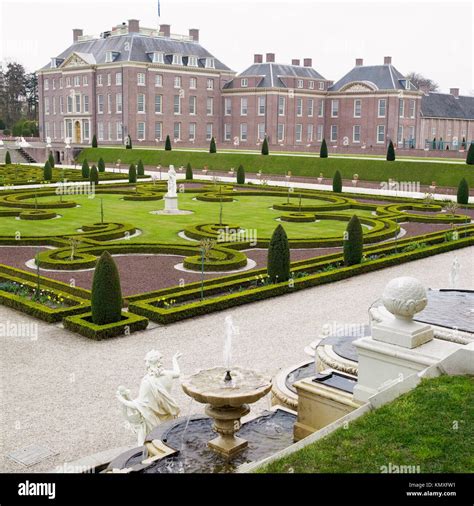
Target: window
(100,131)
(109,57)
(77,81)
(208,131)
(61,105)
(227,106)
(118,102)
(400,134)
(281,132)
(86,129)
(281,106)
(119,130)
(356,133)
(109,129)
(192,61)
(310,107)
(309,133)
(321,109)
(261,106)
(311,85)
(109,103)
(68,81)
(141,102)
(380,133)
(412,108)
(244,83)
(47,129)
(210,106)
(299,106)
(177,82)
(357,108)
(158,104)
(77,99)
(158,57)
(141,79)
(118,79)
(382,108)
(210,84)
(401,108)
(243,106)
(210,64)
(158,80)
(46,105)
(100,104)
(158,130)
(54,107)
(176,104)
(46,84)
(299,83)
(261,131)
(61,83)
(99,80)
(177,59)
(321,85)
(193,83)
(69,128)
(85,82)
(109,79)
(54,130)
(54,84)
(243,131)
(334,108)
(61,130)
(69,104)
(192,104)
(333,133)
(299,132)
(227,132)
(177,131)
(412,133)
(141,131)
(192,131)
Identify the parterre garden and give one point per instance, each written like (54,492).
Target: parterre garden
(226,222)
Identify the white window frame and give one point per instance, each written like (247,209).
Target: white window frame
(401,107)
(310,107)
(310,132)
(357,108)
(141,79)
(311,85)
(281,106)
(158,104)
(412,109)
(334,133)
(356,141)
(192,105)
(299,106)
(319,132)
(209,106)
(141,104)
(192,131)
(193,83)
(379,108)
(260,131)
(192,61)
(176,105)
(210,63)
(244,132)
(118,103)
(100,104)
(227,131)
(281,132)
(321,85)
(300,83)
(244,106)
(160,133)
(261,106)
(177,127)
(244,82)
(227,106)
(177,82)
(298,132)
(380,130)
(158,81)
(335,108)
(177,59)
(140,136)
(158,57)
(209,131)
(210,84)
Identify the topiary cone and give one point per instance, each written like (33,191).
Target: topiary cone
(353,242)
(337,182)
(278,261)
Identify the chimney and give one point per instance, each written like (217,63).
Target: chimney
(76,33)
(270,57)
(133,26)
(387,60)
(359,62)
(165,30)
(308,62)
(258,58)
(194,34)
(295,62)
(454,92)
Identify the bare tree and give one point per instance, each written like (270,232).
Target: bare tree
(422,82)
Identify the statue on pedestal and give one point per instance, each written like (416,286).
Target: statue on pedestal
(154,403)
(171,182)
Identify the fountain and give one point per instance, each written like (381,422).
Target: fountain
(227,392)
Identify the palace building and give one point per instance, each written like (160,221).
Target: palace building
(150,83)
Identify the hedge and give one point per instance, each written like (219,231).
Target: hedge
(37,215)
(82,324)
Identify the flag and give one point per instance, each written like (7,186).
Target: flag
(158,8)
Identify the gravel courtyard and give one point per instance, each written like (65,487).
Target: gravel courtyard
(58,391)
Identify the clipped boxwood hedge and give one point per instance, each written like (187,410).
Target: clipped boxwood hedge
(82,324)
(37,215)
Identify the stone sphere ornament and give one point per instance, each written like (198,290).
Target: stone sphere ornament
(404,297)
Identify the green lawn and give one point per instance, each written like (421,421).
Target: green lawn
(432,427)
(247,212)
(368,170)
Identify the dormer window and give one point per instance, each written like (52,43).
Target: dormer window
(110,56)
(157,57)
(177,59)
(192,61)
(56,62)
(210,64)
(321,85)
(244,83)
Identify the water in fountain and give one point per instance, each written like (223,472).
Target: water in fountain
(230,331)
(454,273)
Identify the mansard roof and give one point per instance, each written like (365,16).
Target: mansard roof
(445,105)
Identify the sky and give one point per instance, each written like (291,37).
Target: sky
(434,38)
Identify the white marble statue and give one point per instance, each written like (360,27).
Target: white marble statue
(171,182)
(154,403)
(454,272)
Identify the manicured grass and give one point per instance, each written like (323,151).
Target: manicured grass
(431,427)
(368,170)
(247,212)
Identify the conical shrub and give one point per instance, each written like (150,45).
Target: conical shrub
(189,171)
(463,192)
(265,149)
(470,154)
(47,171)
(8,159)
(212,146)
(101,165)
(278,261)
(94,141)
(168,143)
(132,174)
(337,182)
(140,168)
(85,169)
(51,160)
(353,242)
(390,152)
(94,175)
(240,175)
(323,152)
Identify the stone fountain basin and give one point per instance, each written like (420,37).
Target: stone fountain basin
(208,386)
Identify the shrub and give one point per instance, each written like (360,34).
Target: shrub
(189,171)
(128,142)
(47,171)
(106,297)
(241,175)
(463,191)
(323,152)
(212,146)
(168,143)
(337,182)
(85,169)
(140,168)
(101,165)
(470,154)
(132,174)
(278,265)
(94,141)
(8,159)
(94,175)
(51,160)
(353,242)
(265,149)
(390,152)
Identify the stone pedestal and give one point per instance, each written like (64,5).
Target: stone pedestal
(171,204)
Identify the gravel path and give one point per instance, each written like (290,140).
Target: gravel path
(59,391)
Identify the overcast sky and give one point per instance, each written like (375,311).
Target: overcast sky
(433,38)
